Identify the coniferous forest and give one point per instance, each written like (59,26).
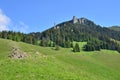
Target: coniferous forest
(64,34)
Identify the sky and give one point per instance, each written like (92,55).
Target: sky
(38,15)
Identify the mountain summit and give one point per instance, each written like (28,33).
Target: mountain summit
(68,32)
(82,21)
(81,30)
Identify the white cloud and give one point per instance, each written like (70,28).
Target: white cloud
(21,26)
(7,24)
(4,21)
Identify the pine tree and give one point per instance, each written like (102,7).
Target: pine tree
(42,43)
(76,48)
(57,47)
(53,44)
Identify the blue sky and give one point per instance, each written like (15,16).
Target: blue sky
(39,15)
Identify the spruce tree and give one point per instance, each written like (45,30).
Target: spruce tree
(76,48)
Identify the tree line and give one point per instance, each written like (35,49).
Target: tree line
(18,36)
(65,33)
(97,37)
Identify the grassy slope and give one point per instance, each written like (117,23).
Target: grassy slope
(116,28)
(57,65)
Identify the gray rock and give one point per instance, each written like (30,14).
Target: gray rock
(75,20)
(17,54)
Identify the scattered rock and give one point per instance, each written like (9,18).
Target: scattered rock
(17,53)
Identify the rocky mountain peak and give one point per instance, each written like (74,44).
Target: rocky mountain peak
(82,21)
(75,20)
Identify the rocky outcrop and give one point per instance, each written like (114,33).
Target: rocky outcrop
(75,20)
(82,21)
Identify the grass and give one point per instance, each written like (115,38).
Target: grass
(57,65)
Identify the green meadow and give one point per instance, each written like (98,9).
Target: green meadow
(45,63)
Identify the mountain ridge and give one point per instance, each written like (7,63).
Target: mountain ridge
(75,20)
(82,29)
(65,33)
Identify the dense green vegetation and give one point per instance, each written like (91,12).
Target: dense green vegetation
(18,36)
(64,35)
(97,37)
(49,64)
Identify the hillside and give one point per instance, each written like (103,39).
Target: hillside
(45,63)
(81,30)
(66,33)
(116,28)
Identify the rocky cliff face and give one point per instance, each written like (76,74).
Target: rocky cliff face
(75,20)
(82,21)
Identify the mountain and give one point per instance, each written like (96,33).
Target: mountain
(66,33)
(77,28)
(43,59)
(82,29)
(116,28)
